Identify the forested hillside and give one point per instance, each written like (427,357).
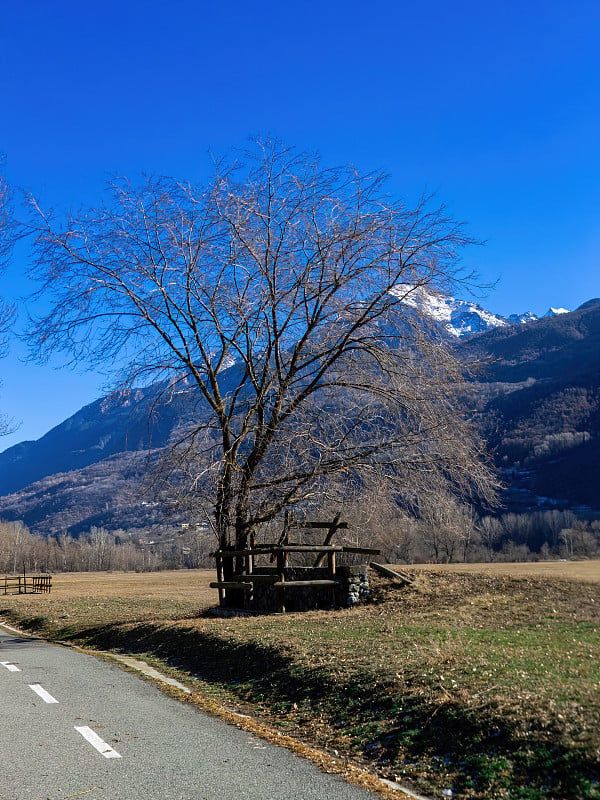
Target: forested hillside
(540,390)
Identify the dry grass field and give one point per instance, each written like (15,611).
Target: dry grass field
(193,585)
(170,585)
(480,680)
(569,570)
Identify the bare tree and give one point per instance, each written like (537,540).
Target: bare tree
(277,292)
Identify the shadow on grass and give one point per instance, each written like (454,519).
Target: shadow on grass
(486,753)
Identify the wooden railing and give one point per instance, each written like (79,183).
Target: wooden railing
(25,584)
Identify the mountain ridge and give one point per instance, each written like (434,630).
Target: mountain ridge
(537,384)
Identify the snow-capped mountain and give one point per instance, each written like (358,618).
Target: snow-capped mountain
(520,319)
(461,317)
(554,312)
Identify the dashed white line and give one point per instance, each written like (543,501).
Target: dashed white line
(10,667)
(92,737)
(41,692)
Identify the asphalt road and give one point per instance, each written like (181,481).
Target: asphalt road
(73,726)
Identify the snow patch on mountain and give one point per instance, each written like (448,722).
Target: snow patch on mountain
(460,317)
(521,319)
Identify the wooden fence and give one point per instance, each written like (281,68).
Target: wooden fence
(243,581)
(25,584)
(240,579)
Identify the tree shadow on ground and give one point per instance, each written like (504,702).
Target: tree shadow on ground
(486,753)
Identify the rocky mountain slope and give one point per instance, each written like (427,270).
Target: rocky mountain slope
(92,468)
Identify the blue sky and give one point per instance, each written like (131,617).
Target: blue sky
(494,106)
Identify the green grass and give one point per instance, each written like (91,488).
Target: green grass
(488,685)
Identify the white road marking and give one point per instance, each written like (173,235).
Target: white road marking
(100,745)
(146,669)
(39,690)
(10,667)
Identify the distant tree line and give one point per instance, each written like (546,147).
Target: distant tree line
(445,533)
(446,537)
(101,550)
